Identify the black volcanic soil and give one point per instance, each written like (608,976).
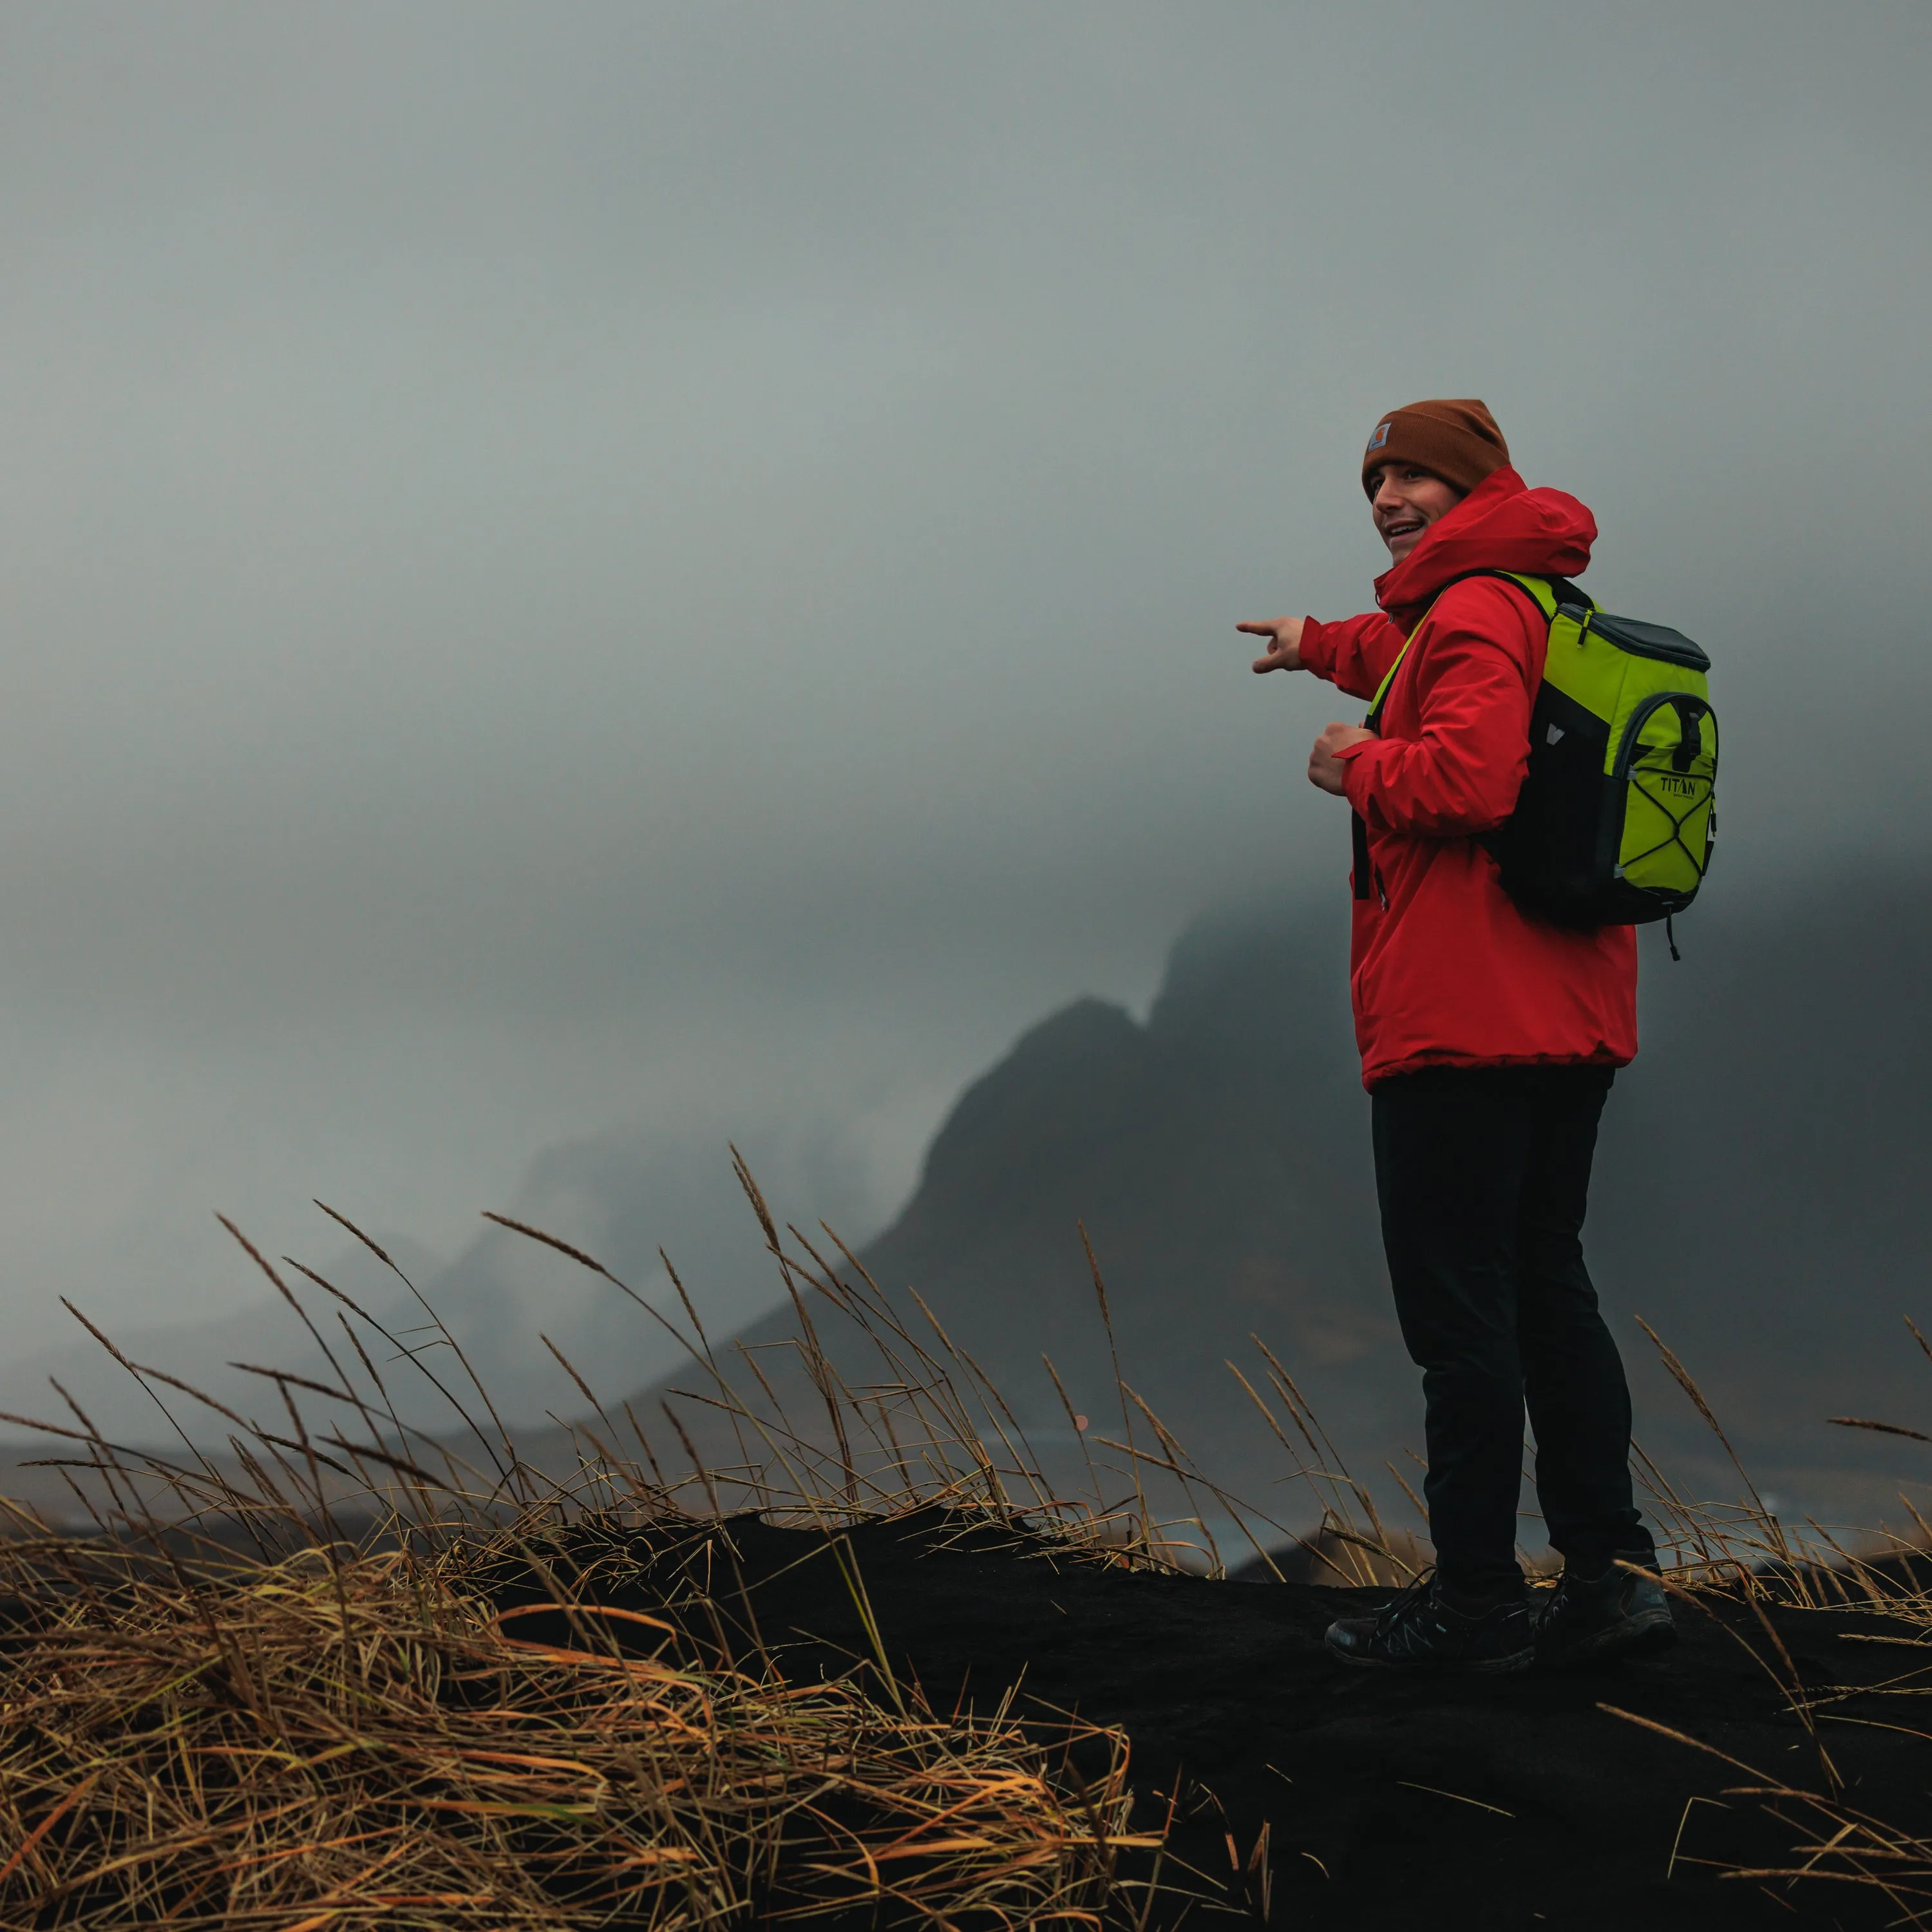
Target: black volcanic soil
(1393,1800)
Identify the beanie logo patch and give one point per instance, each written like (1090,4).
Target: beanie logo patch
(1381,435)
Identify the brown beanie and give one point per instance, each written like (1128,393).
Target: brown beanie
(1455,438)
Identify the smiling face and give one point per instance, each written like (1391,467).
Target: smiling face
(1404,502)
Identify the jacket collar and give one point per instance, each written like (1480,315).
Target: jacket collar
(1501,524)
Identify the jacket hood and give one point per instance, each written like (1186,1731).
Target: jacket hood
(1501,524)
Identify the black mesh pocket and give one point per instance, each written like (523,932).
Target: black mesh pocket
(1551,850)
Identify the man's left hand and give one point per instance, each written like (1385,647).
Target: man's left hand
(1324,768)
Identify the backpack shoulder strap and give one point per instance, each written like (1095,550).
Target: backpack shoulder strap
(1382,689)
(1548,593)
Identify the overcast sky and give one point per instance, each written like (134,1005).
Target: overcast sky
(670,568)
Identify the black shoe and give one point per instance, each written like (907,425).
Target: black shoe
(1622,1613)
(1418,1628)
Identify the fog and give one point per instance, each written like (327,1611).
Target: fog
(650,573)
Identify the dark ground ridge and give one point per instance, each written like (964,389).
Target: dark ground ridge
(1391,1799)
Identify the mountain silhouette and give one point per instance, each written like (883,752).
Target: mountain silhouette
(1758,1198)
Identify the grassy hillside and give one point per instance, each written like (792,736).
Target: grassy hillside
(883,1671)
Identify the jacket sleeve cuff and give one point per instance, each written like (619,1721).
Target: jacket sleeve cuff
(1361,765)
(1317,649)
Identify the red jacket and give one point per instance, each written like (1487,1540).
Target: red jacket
(1445,971)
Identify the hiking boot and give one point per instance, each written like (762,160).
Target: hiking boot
(1418,1628)
(1590,1620)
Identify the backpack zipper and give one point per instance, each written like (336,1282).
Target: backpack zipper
(1646,641)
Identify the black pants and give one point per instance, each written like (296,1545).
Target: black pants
(1483,1175)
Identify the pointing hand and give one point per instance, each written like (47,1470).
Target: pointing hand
(1284,636)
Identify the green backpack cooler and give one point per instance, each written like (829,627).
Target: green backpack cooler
(1616,821)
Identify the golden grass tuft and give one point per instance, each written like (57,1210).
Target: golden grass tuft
(358,1740)
(276,1690)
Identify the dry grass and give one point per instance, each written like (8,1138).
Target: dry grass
(1743,1554)
(348,1741)
(274,1690)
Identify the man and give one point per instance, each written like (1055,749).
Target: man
(1490,1039)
